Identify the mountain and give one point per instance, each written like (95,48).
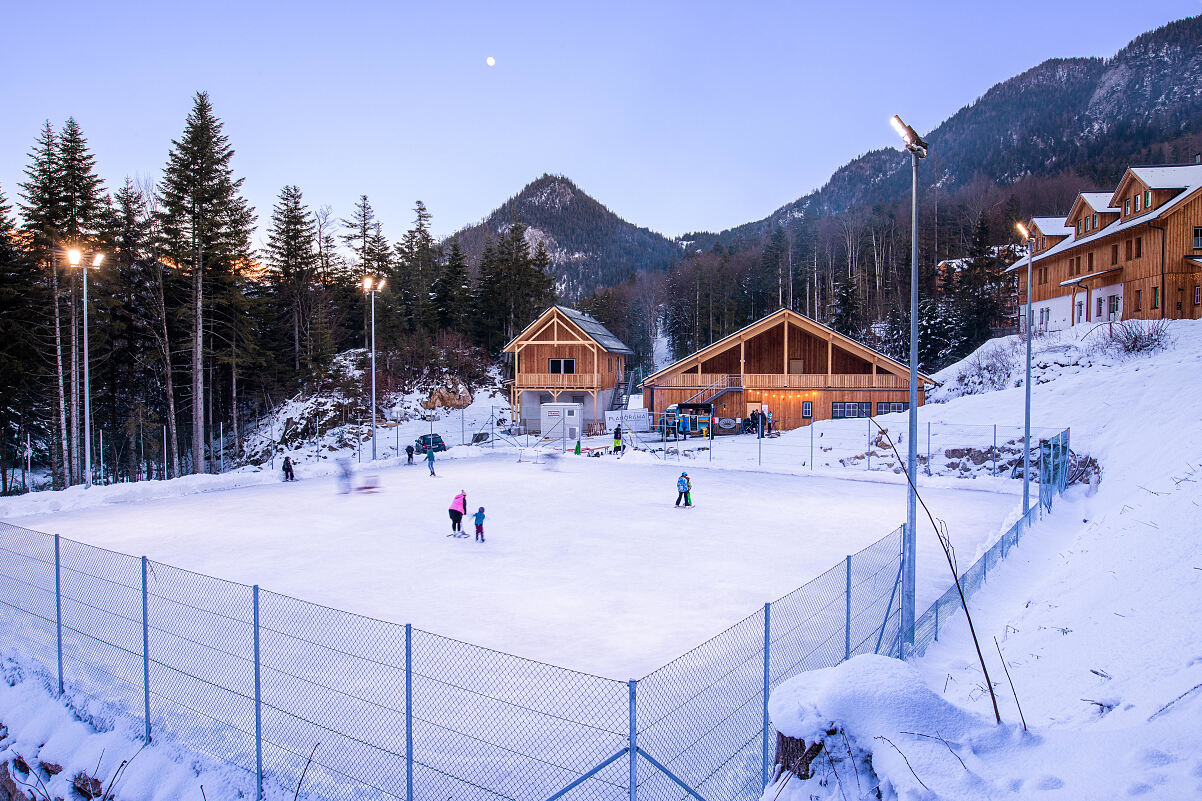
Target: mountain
(589,245)
(1087,117)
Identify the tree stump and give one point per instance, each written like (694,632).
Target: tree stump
(795,756)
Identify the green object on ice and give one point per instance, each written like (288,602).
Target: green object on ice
(577,447)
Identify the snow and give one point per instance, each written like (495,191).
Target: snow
(587,563)
(1098,612)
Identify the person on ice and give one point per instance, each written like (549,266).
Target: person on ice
(344,476)
(684,490)
(617,439)
(478,517)
(430,459)
(457,511)
(409,454)
(288,474)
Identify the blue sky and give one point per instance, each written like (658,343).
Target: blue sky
(678,116)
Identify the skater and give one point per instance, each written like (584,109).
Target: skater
(478,517)
(344,476)
(430,459)
(618,439)
(457,510)
(409,454)
(684,490)
(288,474)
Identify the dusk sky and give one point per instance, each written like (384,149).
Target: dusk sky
(678,116)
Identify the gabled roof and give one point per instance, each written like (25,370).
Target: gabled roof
(801,321)
(1099,201)
(588,325)
(1052,226)
(1178,176)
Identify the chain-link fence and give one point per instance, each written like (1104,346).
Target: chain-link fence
(364,708)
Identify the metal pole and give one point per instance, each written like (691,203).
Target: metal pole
(1027,387)
(258,701)
(462,427)
(811,445)
(87,388)
(373,376)
(492,415)
(995,449)
(164,453)
(759,441)
(869,440)
(767,681)
(408,712)
(633,742)
(145,650)
(359,438)
(908,535)
(58,609)
(28,460)
(928,447)
(847,615)
(221,439)
(101,452)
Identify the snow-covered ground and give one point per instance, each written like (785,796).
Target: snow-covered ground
(587,563)
(1098,612)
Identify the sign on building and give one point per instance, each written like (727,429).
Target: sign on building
(629,419)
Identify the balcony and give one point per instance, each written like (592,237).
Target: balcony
(563,381)
(757,381)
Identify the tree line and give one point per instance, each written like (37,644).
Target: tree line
(193,332)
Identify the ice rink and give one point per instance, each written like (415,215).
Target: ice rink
(587,563)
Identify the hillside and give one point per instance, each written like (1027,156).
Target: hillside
(1097,610)
(589,245)
(1088,117)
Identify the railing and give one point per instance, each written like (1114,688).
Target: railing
(560,380)
(782,381)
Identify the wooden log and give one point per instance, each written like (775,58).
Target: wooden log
(795,756)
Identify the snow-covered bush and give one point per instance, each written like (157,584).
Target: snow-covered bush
(989,369)
(1137,336)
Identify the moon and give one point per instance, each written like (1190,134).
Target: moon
(490,61)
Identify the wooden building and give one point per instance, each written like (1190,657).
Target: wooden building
(566,356)
(793,366)
(1133,253)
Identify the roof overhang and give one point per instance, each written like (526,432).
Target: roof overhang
(1083,278)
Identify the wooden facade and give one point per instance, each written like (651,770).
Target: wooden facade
(782,363)
(559,335)
(1135,253)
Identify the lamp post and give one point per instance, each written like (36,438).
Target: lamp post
(373,289)
(918,150)
(75,257)
(1030,242)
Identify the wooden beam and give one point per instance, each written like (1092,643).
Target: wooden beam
(830,353)
(786,346)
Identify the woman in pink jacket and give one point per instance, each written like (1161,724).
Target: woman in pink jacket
(457,510)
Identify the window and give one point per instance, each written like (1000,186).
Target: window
(1078,228)
(1113,305)
(807,409)
(1099,316)
(1147,198)
(1139,246)
(1155,297)
(1139,300)
(1114,253)
(561,366)
(1198,237)
(1127,246)
(841,410)
(889,407)
(1126,207)
(1136,207)
(1095,222)
(1089,262)
(1197,295)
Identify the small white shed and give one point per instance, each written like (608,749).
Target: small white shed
(564,420)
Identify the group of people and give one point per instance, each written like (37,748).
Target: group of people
(409,451)
(458,510)
(758,422)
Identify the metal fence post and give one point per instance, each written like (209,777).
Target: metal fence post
(633,741)
(145,650)
(767,680)
(928,448)
(995,449)
(408,712)
(869,442)
(58,609)
(811,445)
(847,626)
(258,701)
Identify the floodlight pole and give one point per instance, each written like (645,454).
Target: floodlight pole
(373,376)
(1027,387)
(918,149)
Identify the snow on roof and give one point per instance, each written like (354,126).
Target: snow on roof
(1052,226)
(1181,176)
(1081,278)
(1099,201)
(593,327)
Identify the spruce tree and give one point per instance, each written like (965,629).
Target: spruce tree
(848,317)
(417,262)
(450,292)
(292,257)
(361,229)
(206,225)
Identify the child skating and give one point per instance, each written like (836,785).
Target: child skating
(684,490)
(478,517)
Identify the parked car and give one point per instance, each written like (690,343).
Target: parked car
(429,442)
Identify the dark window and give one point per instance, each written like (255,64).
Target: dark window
(841,410)
(1139,300)
(1114,253)
(1127,247)
(889,407)
(1113,304)
(1099,308)
(807,409)
(1089,259)
(1155,297)
(1139,246)
(1198,237)
(562,366)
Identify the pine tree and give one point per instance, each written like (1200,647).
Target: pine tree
(848,316)
(450,293)
(417,262)
(80,187)
(293,260)
(206,226)
(361,230)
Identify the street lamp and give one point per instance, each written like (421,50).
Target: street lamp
(75,257)
(1030,242)
(918,150)
(373,289)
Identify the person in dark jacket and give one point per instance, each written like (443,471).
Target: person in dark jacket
(617,439)
(289,475)
(409,454)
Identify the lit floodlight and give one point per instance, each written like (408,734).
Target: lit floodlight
(73,256)
(98,260)
(1022,229)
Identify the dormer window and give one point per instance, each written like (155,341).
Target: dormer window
(1127,207)
(1079,227)
(1095,222)
(1137,199)
(1147,198)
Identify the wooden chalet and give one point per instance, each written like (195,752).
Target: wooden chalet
(793,366)
(1131,253)
(566,356)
